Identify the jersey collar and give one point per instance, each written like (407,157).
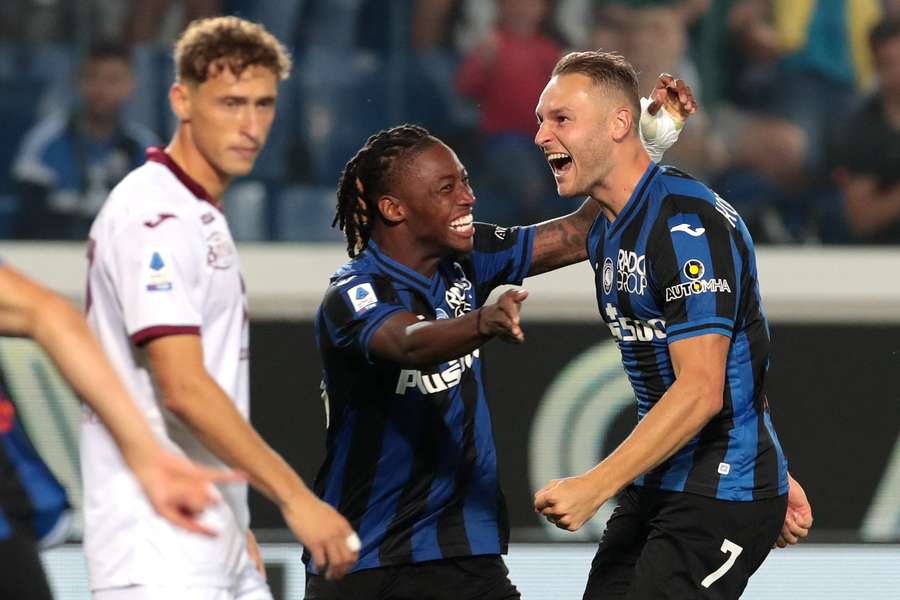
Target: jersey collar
(158,154)
(402,273)
(637,197)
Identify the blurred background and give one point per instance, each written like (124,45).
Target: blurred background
(799,129)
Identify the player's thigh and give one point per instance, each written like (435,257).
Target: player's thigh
(23,576)
(612,569)
(483,577)
(705,548)
(368,583)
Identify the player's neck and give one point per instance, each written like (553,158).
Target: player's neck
(614,190)
(407,252)
(185,153)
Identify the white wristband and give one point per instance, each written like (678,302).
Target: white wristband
(659,132)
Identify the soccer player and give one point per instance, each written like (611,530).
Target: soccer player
(166,299)
(410,452)
(704,482)
(32,503)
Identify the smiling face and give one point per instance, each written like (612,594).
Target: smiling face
(575,118)
(229,116)
(436,201)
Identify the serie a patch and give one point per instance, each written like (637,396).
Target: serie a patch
(362,297)
(158,273)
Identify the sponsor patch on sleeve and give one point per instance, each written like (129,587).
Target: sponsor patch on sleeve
(362,297)
(157,273)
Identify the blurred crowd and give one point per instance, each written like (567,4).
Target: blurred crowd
(799,125)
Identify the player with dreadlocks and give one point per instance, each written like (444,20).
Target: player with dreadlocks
(410,459)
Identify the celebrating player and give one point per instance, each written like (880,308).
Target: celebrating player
(704,481)
(410,452)
(32,503)
(167,301)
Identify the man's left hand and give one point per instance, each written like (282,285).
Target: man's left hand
(673,94)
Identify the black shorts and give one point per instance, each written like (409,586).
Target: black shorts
(467,577)
(23,575)
(661,544)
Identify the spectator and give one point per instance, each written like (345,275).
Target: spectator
(505,73)
(69,162)
(867,158)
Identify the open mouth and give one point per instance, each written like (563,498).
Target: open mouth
(463,225)
(559,162)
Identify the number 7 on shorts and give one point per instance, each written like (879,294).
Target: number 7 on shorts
(733,551)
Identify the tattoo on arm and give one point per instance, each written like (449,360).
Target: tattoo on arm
(559,243)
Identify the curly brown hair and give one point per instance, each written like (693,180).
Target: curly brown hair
(210,45)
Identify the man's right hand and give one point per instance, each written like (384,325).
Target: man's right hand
(325,533)
(501,319)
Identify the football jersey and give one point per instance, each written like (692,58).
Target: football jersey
(162,262)
(410,456)
(679,262)
(31,498)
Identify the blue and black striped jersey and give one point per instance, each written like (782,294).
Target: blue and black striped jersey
(410,456)
(679,262)
(31,499)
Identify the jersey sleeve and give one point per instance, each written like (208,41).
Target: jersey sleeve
(354,309)
(695,269)
(158,275)
(501,255)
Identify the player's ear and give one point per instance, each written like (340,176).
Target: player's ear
(391,209)
(621,124)
(180,99)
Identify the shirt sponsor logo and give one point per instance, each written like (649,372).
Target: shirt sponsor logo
(631,274)
(159,277)
(432,383)
(362,297)
(607,275)
(694,270)
(629,329)
(685,228)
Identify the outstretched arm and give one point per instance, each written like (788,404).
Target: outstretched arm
(408,341)
(176,488)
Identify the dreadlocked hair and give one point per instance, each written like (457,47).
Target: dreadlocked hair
(368,175)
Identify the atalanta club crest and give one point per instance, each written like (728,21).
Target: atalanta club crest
(607,275)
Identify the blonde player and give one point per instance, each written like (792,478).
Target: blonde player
(167,301)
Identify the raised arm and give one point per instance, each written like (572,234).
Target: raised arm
(563,241)
(176,488)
